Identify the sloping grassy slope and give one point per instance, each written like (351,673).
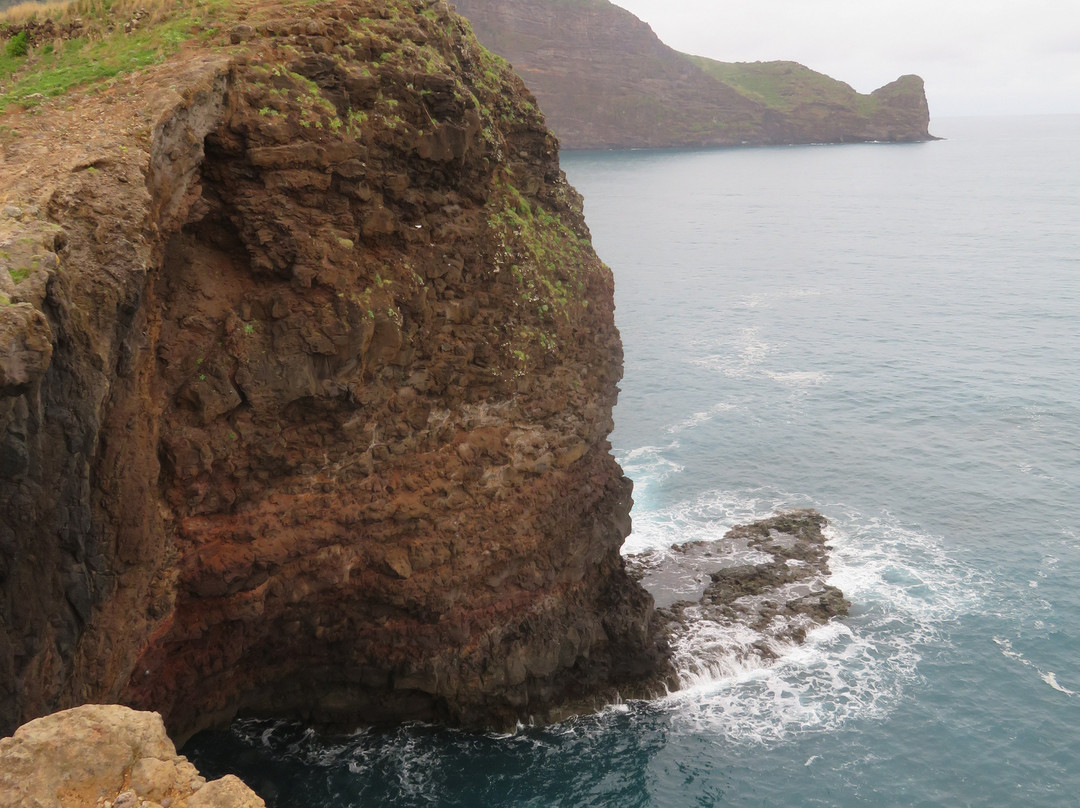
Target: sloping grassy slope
(47,66)
(785,86)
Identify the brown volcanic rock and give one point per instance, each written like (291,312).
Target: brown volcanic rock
(323,431)
(902,113)
(604,80)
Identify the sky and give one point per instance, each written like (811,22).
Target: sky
(978,57)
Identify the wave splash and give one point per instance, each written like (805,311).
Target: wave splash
(1049,677)
(906,593)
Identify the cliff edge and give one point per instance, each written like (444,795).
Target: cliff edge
(306,376)
(606,81)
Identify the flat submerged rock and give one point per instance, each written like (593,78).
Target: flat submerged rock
(742,600)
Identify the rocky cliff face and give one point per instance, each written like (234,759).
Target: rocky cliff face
(306,376)
(604,80)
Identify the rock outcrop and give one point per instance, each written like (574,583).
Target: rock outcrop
(306,377)
(746,599)
(606,81)
(107,756)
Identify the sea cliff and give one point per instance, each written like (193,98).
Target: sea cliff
(306,376)
(606,81)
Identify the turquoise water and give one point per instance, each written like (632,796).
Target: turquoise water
(890,334)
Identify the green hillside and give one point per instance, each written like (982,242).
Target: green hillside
(785,86)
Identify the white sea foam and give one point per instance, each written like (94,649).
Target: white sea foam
(799,378)
(1049,677)
(747,354)
(699,418)
(740,356)
(905,590)
(649,467)
(649,464)
(706,518)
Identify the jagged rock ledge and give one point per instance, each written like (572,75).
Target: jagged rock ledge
(107,756)
(743,599)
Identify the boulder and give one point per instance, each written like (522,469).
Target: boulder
(108,756)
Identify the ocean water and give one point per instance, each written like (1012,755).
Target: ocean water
(889,334)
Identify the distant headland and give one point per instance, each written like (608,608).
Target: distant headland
(604,80)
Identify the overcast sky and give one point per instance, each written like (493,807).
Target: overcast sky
(977,56)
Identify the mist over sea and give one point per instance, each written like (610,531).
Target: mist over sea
(889,334)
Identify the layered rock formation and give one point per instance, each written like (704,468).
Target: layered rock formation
(110,757)
(605,81)
(306,377)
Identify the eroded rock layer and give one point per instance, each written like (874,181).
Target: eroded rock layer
(307,368)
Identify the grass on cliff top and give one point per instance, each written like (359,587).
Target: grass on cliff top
(52,69)
(784,86)
(20,11)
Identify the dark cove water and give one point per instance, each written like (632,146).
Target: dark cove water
(890,334)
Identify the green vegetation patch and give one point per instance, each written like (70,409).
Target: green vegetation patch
(784,86)
(18,45)
(547,259)
(28,78)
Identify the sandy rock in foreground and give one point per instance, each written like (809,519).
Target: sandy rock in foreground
(108,756)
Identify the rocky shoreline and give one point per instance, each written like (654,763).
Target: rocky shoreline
(307,368)
(745,599)
(737,602)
